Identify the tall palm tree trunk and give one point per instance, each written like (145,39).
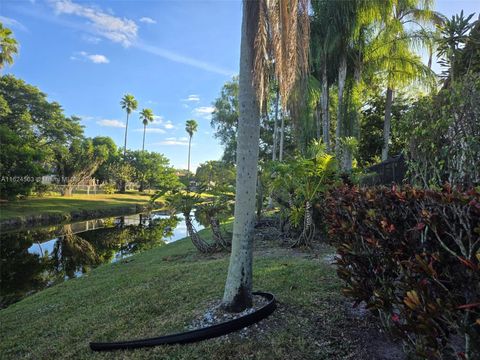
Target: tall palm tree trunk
(387,123)
(282,135)
(275,139)
(144,130)
(324,105)
(188,166)
(125,142)
(349,129)
(238,287)
(339,132)
(275,127)
(123,184)
(318,119)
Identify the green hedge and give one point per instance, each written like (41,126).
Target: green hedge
(413,256)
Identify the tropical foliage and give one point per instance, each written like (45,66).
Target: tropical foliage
(146,115)
(129,104)
(8,46)
(32,131)
(413,256)
(298,186)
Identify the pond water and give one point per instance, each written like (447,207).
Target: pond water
(33,259)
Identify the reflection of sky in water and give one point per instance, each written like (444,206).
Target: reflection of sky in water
(180,231)
(41,248)
(39,258)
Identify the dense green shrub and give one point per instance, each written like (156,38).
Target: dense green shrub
(442,133)
(413,256)
(109,188)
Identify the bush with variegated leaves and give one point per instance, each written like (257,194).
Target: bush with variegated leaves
(413,256)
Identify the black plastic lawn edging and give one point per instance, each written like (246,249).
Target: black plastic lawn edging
(196,335)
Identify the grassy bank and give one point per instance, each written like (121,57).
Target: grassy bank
(64,205)
(160,291)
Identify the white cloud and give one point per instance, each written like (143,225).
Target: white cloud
(86,117)
(169,125)
(192,97)
(157,119)
(116,29)
(171,141)
(147,20)
(91,39)
(111,123)
(203,111)
(9,22)
(152,130)
(95,58)
(123,31)
(181,59)
(98,59)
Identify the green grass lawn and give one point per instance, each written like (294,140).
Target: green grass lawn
(65,205)
(161,290)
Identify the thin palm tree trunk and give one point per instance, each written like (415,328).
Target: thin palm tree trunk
(125,143)
(324,104)
(238,287)
(275,139)
(349,129)
(339,132)
(144,130)
(282,135)
(188,166)
(387,123)
(275,127)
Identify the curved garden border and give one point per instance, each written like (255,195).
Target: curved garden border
(196,335)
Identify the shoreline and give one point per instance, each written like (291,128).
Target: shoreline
(45,219)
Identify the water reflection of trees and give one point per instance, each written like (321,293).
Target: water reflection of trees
(73,254)
(20,271)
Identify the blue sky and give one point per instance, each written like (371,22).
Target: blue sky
(173,56)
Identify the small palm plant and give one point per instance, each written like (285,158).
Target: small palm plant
(185,202)
(298,183)
(214,211)
(146,115)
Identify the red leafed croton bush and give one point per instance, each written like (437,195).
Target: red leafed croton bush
(413,256)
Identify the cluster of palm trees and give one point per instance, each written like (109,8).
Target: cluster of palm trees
(358,41)
(352,43)
(130,104)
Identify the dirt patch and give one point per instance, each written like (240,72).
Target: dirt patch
(375,341)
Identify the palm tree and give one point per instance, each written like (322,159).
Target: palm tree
(283,27)
(128,104)
(337,29)
(146,115)
(191,128)
(8,46)
(392,52)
